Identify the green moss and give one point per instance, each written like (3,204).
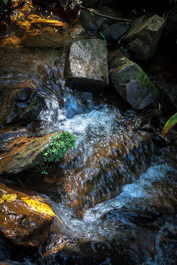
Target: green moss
(143,79)
(122,77)
(59,145)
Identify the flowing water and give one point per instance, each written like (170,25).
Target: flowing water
(116,192)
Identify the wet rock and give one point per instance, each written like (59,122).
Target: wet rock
(23,153)
(143,38)
(132,83)
(21,102)
(87,65)
(44,38)
(31,90)
(96,172)
(19,222)
(114,32)
(34,27)
(11,133)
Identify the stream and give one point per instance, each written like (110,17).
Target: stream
(115,192)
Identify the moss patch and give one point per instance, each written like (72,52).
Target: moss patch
(143,79)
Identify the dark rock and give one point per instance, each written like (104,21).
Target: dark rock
(19,222)
(132,83)
(22,103)
(143,38)
(115,31)
(92,22)
(87,65)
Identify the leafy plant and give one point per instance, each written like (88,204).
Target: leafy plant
(171,122)
(59,145)
(5,1)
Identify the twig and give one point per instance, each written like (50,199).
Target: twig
(91,10)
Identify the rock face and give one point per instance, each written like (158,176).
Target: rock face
(19,222)
(132,83)
(87,65)
(143,38)
(22,153)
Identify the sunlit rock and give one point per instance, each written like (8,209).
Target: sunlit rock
(132,83)
(143,38)
(23,153)
(87,65)
(19,222)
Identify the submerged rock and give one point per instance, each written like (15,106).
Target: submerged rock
(143,38)
(134,227)
(19,222)
(87,65)
(132,83)
(105,158)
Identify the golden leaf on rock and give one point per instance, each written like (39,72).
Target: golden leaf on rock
(40,207)
(8,197)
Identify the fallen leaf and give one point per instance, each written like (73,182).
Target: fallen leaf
(169,124)
(9,197)
(1,200)
(40,207)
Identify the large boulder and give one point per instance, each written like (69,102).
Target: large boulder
(87,64)
(19,222)
(143,38)
(132,83)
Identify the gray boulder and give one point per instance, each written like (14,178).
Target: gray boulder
(132,83)
(143,38)
(87,65)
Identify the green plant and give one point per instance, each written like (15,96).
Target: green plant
(5,1)
(171,122)
(59,145)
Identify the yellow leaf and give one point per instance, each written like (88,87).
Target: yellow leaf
(40,207)
(1,200)
(9,197)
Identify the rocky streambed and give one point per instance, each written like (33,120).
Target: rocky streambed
(112,198)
